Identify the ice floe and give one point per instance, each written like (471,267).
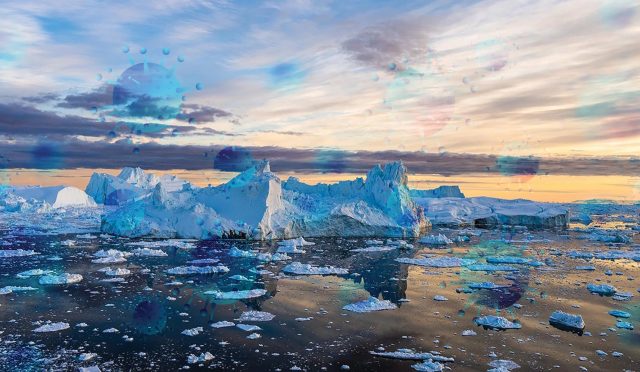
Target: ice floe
(52,327)
(567,322)
(195,270)
(256,316)
(237,295)
(370,304)
(496,322)
(299,268)
(61,279)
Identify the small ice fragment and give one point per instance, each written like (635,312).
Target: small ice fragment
(496,322)
(60,279)
(256,316)
(52,327)
(222,324)
(192,331)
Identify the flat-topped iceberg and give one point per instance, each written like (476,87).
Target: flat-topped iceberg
(496,322)
(370,304)
(299,268)
(61,279)
(567,322)
(487,212)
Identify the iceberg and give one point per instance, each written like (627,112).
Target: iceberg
(370,304)
(61,279)
(237,295)
(41,199)
(485,212)
(52,327)
(496,322)
(619,314)
(298,268)
(204,357)
(439,239)
(567,322)
(256,204)
(440,261)
(256,316)
(602,289)
(10,289)
(193,270)
(10,253)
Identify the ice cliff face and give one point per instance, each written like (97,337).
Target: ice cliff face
(129,185)
(439,192)
(256,204)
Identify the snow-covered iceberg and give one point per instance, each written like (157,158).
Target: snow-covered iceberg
(129,185)
(40,199)
(487,212)
(256,204)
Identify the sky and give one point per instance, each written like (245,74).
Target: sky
(512,88)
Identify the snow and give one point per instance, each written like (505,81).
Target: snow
(60,279)
(298,268)
(370,304)
(192,270)
(568,321)
(256,316)
(496,322)
(52,327)
(237,295)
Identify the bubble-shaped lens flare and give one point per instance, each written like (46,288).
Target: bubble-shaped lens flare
(149,316)
(233,159)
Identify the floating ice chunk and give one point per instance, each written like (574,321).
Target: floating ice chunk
(377,248)
(488,285)
(222,324)
(586,268)
(496,322)
(60,279)
(111,330)
(10,289)
(256,316)
(204,261)
(204,357)
(192,331)
(601,352)
(503,365)
(113,280)
(254,336)
(193,270)
(33,272)
(89,369)
(624,325)
(409,354)
(300,242)
(298,268)
(86,356)
(268,257)
(440,298)
(115,272)
(293,249)
(303,319)
(439,261)
(373,242)
(110,256)
(370,304)
(248,327)
(235,252)
(567,322)
(240,278)
(10,253)
(469,332)
(237,295)
(177,243)
(428,366)
(602,289)
(512,260)
(491,268)
(148,252)
(52,327)
(439,239)
(619,314)
(622,296)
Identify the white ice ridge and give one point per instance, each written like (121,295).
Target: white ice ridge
(39,199)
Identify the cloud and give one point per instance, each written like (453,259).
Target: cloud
(42,98)
(203,113)
(97,98)
(80,154)
(20,120)
(388,43)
